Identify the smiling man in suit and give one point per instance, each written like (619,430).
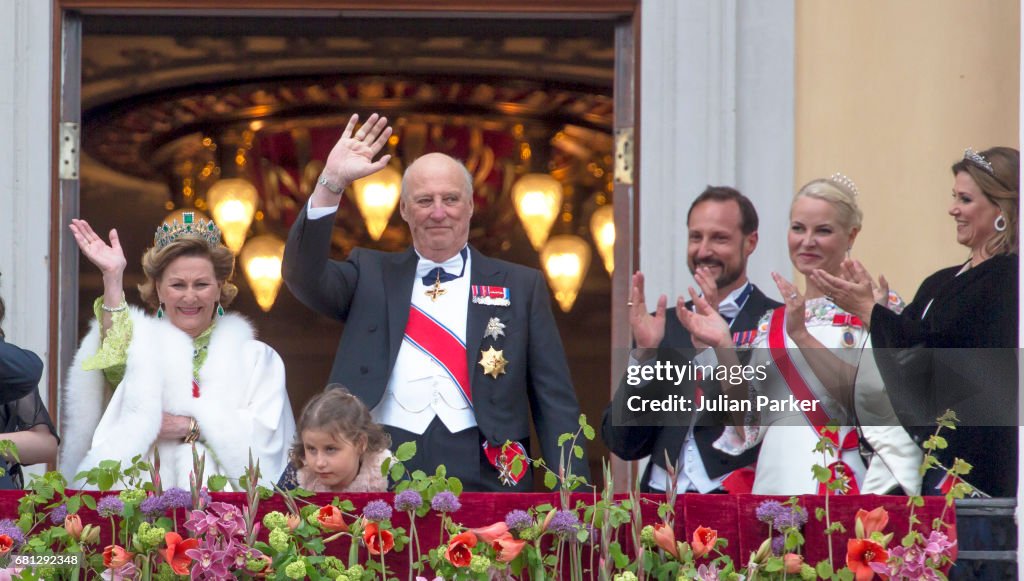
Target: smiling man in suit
(447,347)
(721,236)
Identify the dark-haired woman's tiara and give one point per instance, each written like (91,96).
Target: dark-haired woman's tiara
(979,160)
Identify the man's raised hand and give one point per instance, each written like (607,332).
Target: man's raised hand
(352,157)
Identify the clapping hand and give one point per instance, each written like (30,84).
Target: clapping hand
(352,157)
(109,258)
(648,329)
(855,291)
(796,305)
(705,325)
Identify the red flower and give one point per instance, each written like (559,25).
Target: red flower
(175,555)
(704,540)
(6,544)
(73,525)
(507,547)
(793,563)
(330,519)
(869,522)
(860,553)
(490,533)
(665,538)
(376,540)
(459,551)
(115,556)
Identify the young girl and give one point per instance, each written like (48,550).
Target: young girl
(338,448)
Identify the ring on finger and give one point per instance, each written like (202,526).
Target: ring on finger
(792,296)
(629,303)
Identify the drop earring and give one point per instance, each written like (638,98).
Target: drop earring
(1000,223)
(160,311)
(220,310)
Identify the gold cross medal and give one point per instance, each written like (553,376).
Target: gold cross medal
(495,328)
(493,361)
(436,290)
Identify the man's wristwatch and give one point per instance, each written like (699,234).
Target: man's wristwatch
(330,187)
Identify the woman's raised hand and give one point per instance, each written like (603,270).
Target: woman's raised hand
(109,258)
(795,302)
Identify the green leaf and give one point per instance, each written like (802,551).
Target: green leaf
(216,482)
(824,569)
(845,574)
(578,452)
(564,438)
(821,474)
(397,471)
(406,451)
(550,480)
(588,432)
(73,504)
(89,501)
(104,481)
(455,485)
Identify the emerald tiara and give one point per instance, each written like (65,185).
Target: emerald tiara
(170,231)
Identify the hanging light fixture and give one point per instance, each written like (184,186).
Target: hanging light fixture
(602,229)
(376,196)
(261,260)
(565,260)
(233,204)
(537,198)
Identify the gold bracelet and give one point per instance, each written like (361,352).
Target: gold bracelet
(193,431)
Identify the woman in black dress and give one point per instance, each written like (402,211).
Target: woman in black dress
(23,417)
(954,346)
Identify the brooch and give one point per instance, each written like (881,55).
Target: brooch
(495,328)
(493,361)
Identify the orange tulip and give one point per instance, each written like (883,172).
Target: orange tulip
(869,522)
(330,519)
(489,533)
(73,525)
(665,538)
(376,540)
(175,555)
(6,544)
(294,521)
(115,556)
(704,540)
(860,553)
(459,551)
(793,563)
(507,547)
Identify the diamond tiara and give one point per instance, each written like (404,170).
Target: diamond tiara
(845,182)
(979,160)
(170,231)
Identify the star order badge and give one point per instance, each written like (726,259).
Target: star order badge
(495,328)
(493,361)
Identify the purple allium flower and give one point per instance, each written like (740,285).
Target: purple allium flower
(565,523)
(791,516)
(58,514)
(769,510)
(408,500)
(377,510)
(152,506)
(518,520)
(174,498)
(109,506)
(7,527)
(445,501)
(778,545)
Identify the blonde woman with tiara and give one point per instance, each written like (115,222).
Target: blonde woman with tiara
(809,351)
(338,447)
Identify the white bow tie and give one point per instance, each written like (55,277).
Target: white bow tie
(453,266)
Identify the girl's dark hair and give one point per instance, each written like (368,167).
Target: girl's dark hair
(338,412)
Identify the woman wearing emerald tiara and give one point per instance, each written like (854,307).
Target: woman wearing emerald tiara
(810,350)
(191,375)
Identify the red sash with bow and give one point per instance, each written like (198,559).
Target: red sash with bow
(815,415)
(443,346)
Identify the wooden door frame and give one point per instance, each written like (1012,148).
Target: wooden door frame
(627,210)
